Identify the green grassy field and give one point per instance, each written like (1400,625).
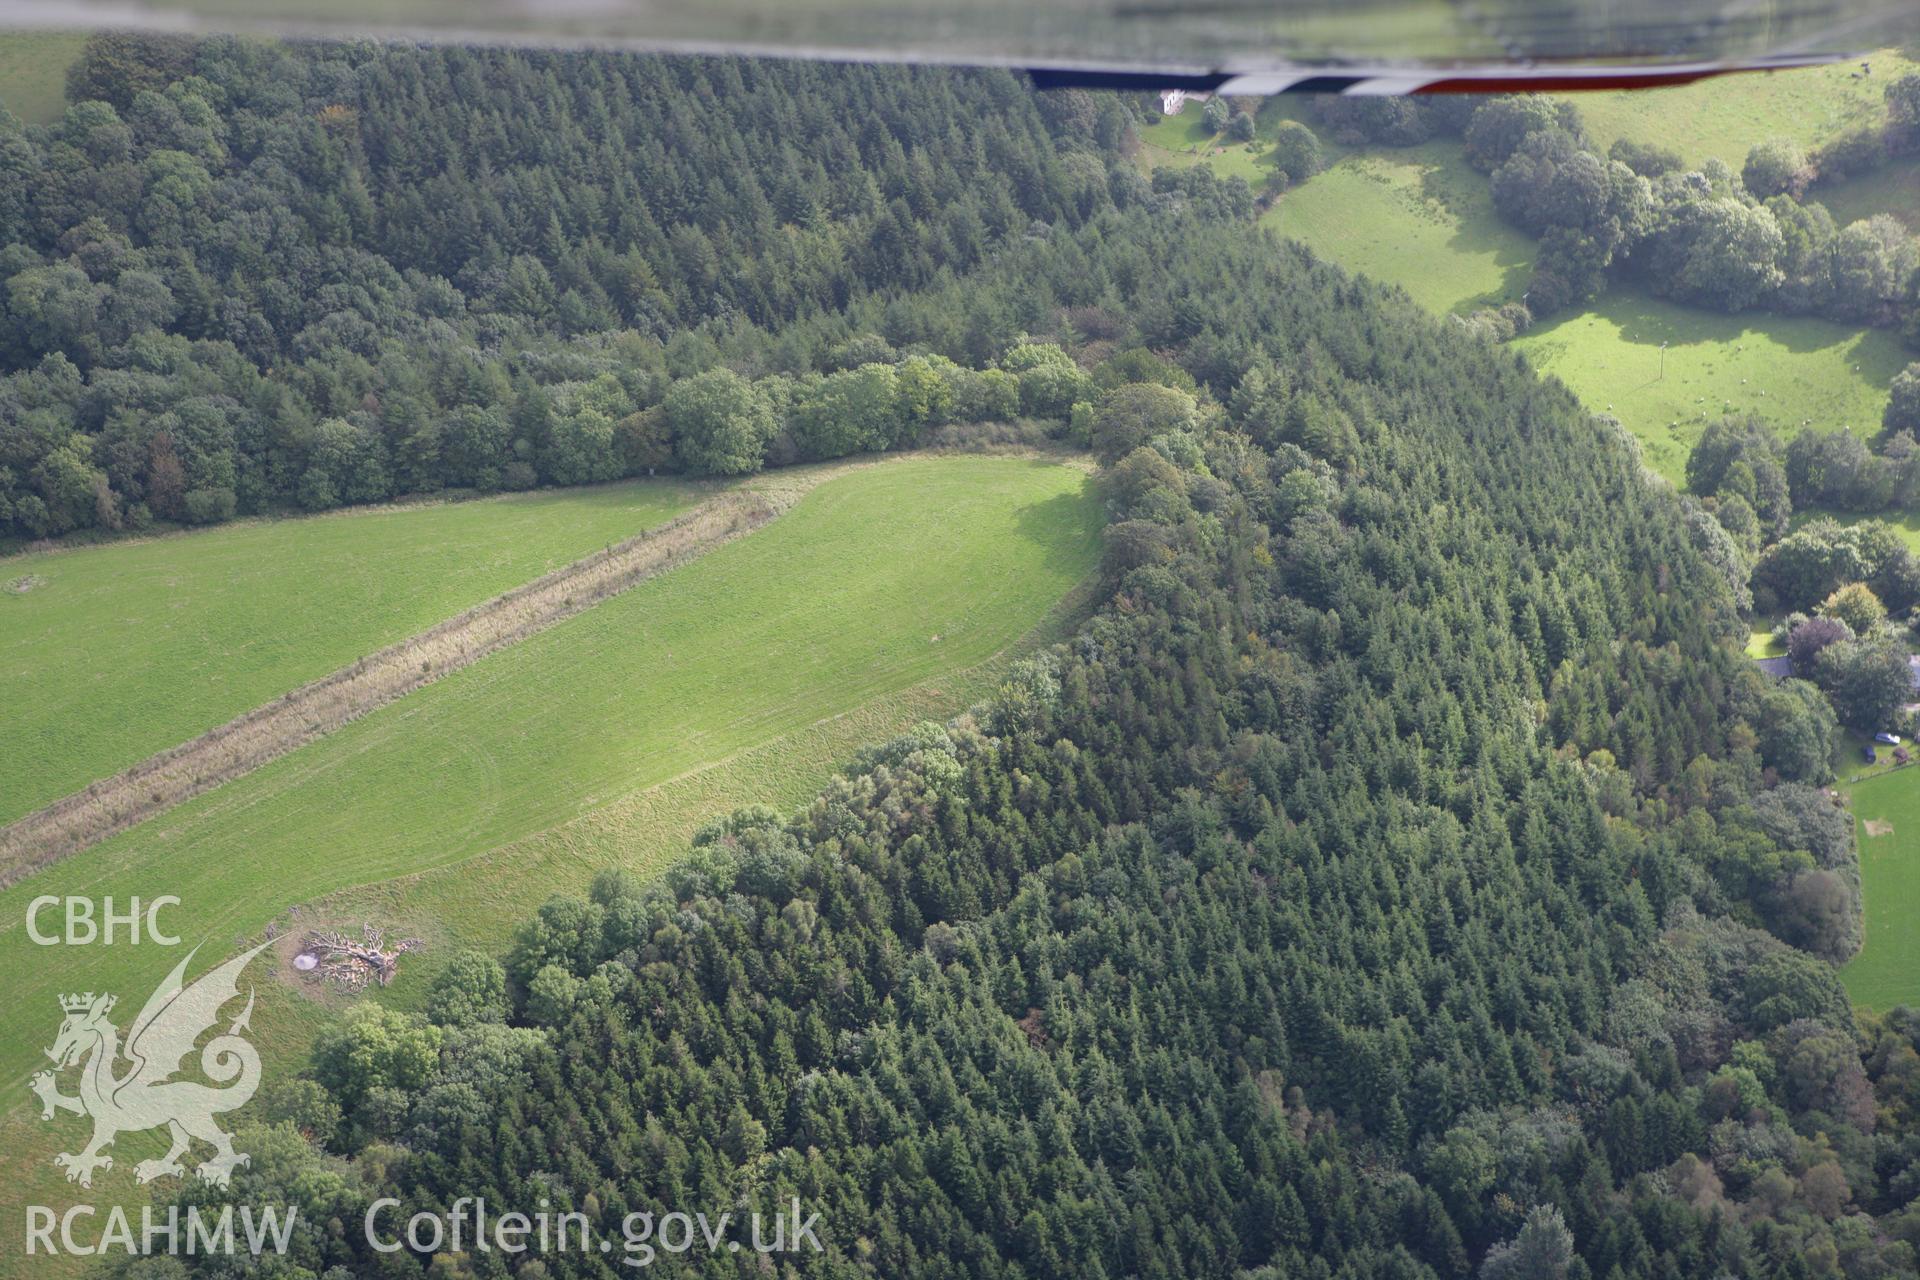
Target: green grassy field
(1727,116)
(1789,370)
(1417,217)
(880,580)
(1893,188)
(1887,970)
(1182,141)
(184,632)
(1761,642)
(33,72)
(1420,218)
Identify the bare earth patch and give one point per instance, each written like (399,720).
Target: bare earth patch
(20,586)
(293,934)
(1875,827)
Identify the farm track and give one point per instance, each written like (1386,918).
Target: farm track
(257,737)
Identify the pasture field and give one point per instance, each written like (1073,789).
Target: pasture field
(1182,141)
(1420,218)
(1892,188)
(1887,970)
(883,579)
(1789,370)
(33,72)
(121,650)
(1417,217)
(1725,117)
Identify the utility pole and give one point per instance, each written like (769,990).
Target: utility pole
(1663,363)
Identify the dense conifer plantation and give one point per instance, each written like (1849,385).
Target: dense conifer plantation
(1398,876)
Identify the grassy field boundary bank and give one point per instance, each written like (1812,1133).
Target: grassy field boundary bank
(274,729)
(661,817)
(317,708)
(186,631)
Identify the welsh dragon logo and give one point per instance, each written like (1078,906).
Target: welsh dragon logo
(143,1095)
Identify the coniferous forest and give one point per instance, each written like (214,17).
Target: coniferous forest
(1400,874)
(249,277)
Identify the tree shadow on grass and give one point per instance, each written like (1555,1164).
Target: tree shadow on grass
(1512,256)
(1643,320)
(1892,189)
(1447,181)
(1066,527)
